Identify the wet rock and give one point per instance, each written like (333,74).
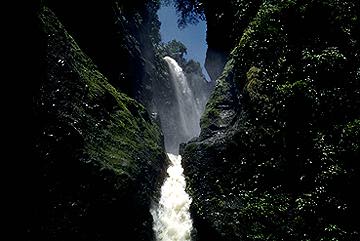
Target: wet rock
(100,157)
(272,161)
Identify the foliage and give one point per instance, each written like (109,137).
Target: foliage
(191,11)
(96,148)
(175,49)
(277,156)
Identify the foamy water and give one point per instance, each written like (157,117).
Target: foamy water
(172,221)
(188,108)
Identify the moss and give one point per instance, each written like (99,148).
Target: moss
(126,113)
(350,136)
(269,29)
(254,85)
(275,170)
(289,88)
(102,157)
(211,119)
(354,127)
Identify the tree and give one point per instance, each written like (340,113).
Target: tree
(175,49)
(190,11)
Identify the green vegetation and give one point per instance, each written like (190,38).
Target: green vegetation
(101,156)
(175,49)
(277,156)
(211,118)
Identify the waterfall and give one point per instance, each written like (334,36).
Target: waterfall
(172,220)
(188,107)
(171,215)
(185,114)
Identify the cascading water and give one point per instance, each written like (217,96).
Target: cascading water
(179,110)
(172,220)
(171,215)
(188,107)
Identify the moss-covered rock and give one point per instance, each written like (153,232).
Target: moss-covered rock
(120,37)
(101,156)
(277,156)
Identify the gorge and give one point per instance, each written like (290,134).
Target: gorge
(172,220)
(128,141)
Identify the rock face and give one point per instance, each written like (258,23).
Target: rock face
(225,21)
(197,83)
(277,158)
(100,156)
(119,36)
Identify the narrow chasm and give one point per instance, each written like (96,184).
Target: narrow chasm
(179,104)
(190,120)
(171,215)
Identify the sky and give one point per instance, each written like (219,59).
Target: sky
(192,36)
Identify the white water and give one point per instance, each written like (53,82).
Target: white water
(172,220)
(189,110)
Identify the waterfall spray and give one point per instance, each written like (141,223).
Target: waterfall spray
(187,106)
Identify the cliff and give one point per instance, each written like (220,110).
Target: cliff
(120,37)
(225,23)
(277,156)
(99,155)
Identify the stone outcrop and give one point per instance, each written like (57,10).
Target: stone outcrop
(100,155)
(277,155)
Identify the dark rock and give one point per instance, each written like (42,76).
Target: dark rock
(119,36)
(100,158)
(225,23)
(277,155)
(215,63)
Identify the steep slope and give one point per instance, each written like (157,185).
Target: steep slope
(101,157)
(278,154)
(226,22)
(119,36)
